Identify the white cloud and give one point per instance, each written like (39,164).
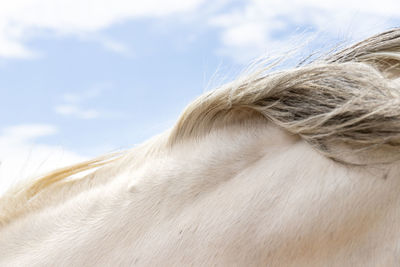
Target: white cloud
(72,110)
(260,27)
(26,132)
(78,97)
(115,46)
(21,20)
(22,157)
(73,102)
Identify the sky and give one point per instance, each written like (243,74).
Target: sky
(79,78)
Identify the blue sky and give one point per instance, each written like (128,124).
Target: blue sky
(79,78)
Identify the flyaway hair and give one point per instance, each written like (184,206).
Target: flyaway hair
(350,98)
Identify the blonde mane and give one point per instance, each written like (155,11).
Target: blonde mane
(348,98)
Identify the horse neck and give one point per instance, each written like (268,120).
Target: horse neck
(246,189)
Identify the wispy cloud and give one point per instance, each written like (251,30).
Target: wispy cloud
(72,104)
(21,20)
(22,156)
(27,132)
(76,111)
(78,97)
(115,46)
(75,104)
(259,27)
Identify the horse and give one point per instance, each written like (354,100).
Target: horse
(292,167)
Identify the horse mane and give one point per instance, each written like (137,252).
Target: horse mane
(350,97)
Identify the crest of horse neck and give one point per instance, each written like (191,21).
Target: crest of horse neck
(244,195)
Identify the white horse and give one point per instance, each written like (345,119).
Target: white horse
(291,168)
